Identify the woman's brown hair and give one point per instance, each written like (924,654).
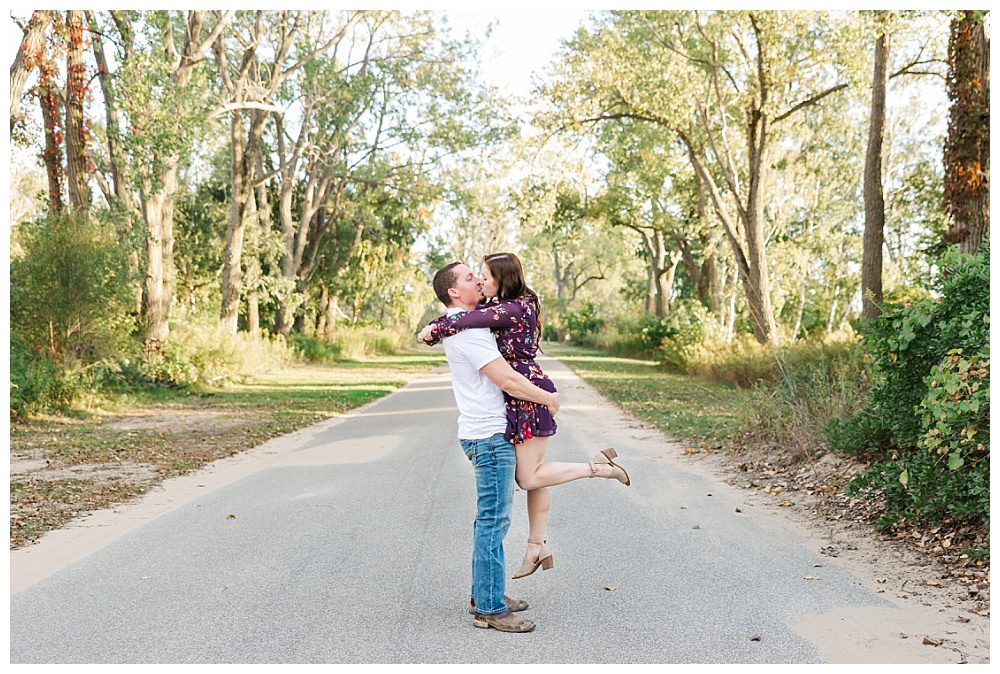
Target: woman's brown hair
(507,271)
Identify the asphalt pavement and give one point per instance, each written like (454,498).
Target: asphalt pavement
(352,544)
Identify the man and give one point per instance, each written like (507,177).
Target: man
(478,374)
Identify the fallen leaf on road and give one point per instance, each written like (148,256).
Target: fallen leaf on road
(933,582)
(230,517)
(810,577)
(931,642)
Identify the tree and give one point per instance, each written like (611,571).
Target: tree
(696,75)
(163,111)
(967,148)
(76,133)
(252,86)
(29,55)
(871,265)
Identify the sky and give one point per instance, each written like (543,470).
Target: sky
(522,41)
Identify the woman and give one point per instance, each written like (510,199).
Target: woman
(512,314)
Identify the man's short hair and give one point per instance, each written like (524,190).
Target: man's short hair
(444,280)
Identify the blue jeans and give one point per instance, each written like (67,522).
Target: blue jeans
(494,460)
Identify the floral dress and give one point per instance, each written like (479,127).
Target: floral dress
(513,325)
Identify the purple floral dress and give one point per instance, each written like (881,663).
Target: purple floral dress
(513,325)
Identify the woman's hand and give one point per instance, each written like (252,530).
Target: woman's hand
(425,334)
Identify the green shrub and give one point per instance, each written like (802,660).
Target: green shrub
(313,350)
(70,292)
(352,343)
(955,412)
(907,342)
(926,417)
(197,352)
(815,383)
(31,377)
(581,324)
(358,343)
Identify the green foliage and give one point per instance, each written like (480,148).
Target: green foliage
(955,411)
(581,323)
(32,379)
(314,350)
(907,342)
(196,353)
(815,382)
(927,416)
(352,343)
(358,343)
(70,294)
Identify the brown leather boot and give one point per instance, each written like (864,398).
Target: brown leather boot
(513,605)
(504,622)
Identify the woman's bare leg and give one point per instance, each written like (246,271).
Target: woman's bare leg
(534,475)
(533,472)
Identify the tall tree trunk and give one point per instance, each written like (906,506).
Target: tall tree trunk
(708,284)
(560,281)
(833,310)
(158,193)
(871,264)
(747,245)
(158,213)
(664,285)
(76,140)
(125,222)
(48,94)
(30,54)
(967,147)
(759,288)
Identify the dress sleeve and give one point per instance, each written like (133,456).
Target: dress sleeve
(506,315)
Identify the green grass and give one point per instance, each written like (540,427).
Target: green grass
(685,407)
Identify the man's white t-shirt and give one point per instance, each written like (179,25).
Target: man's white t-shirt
(481,411)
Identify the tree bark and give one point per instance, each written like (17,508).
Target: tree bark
(30,54)
(48,95)
(967,147)
(871,264)
(158,195)
(158,212)
(76,139)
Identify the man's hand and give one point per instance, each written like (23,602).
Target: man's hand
(425,334)
(554,405)
(517,385)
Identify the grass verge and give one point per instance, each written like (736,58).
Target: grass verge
(686,408)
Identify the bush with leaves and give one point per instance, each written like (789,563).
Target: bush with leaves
(926,419)
(69,291)
(581,323)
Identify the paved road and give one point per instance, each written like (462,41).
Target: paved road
(352,543)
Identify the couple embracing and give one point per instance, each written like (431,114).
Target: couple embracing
(507,408)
